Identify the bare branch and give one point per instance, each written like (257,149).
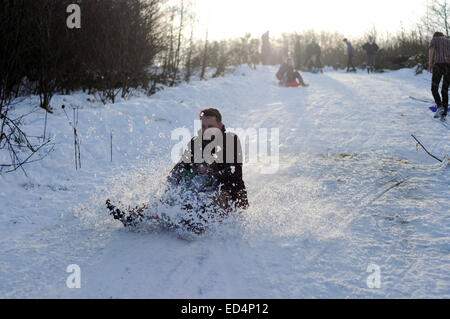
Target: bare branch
(426,149)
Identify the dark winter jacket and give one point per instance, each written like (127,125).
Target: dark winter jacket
(350,49)
(286,73)
(281,74)
(371,48)
(313,49)
(227,166)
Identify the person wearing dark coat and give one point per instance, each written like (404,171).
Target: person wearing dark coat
(313,53)
(226,165)
(350,54)
(286,74)
(371,49)
(207,182)
(439,66)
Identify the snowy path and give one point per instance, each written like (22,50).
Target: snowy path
(312,229)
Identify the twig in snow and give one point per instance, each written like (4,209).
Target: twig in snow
(111,145)
(27,160)
(436,158)
(76,138)
(45,125)
(387,190)
(421,100)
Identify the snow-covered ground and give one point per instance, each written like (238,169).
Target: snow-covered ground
(312,229)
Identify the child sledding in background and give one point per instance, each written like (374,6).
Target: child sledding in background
(287,76)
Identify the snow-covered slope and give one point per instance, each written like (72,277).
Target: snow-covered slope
(312,229)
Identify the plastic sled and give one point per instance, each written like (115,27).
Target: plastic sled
(290,84)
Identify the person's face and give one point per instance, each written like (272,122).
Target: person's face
(210,122)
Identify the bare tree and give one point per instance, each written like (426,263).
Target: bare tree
(439,15)
(266,49)
(177,54)
(205,57)
(188,73)
(11,50)
(18,144)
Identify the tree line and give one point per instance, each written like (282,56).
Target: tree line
(111,52)
(127,44)
(40,55)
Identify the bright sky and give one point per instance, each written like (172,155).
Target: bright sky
(233,18)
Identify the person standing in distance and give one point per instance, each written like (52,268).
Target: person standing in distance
(371,49)
(350,54)
(439,66)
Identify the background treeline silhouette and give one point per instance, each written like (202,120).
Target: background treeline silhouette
(117,42)
(126,44)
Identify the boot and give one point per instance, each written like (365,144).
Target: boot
(439,111)
(444,113)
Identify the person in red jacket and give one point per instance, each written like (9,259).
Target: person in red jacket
(439,65)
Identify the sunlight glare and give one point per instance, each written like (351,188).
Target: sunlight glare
(234,18)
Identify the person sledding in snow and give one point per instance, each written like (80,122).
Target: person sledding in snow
(371,49)
(287,76)
(439,66)
(207,182)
